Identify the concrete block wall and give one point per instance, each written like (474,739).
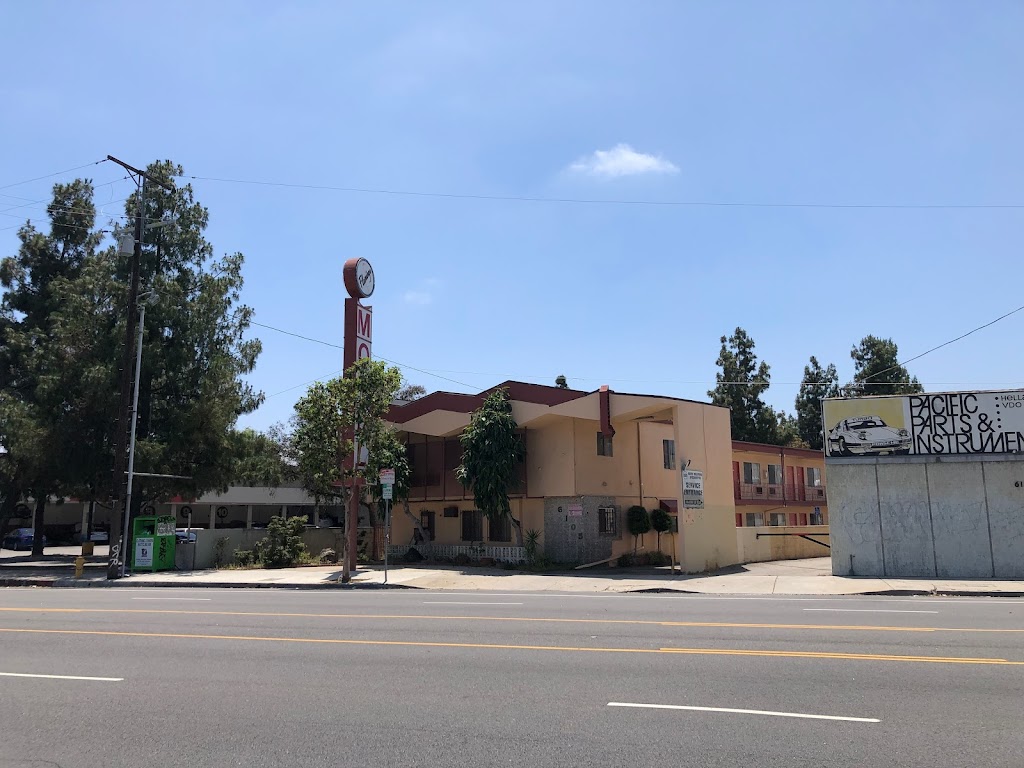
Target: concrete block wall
(945,517)
(578,539)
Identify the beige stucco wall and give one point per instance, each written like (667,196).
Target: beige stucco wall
(707,537)
(551,456)
(658,482)
(448,530)
(615,475)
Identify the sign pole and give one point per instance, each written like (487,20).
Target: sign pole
(359,282)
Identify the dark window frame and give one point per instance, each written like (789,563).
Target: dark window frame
(608,522)
(503,535)
(473,520)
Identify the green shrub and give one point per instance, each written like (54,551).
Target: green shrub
(218,550)
(245,558)
(531,543)
(658,558)
(327,556)
(282,547)
(625,560)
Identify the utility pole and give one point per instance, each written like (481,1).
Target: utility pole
(119,537)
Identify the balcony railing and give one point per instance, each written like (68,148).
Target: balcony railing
(780,493)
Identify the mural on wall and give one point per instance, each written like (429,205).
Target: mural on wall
(937,423)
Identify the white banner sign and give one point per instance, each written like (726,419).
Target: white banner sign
(693,489)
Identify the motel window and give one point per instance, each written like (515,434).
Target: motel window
(472,525)
(427,523)
(500,530)
(604,444)
(813,477)
(607,521)
(751,473)
(774,474)
(668,450)
(755,519)
(777,518)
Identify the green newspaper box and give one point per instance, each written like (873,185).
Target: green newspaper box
(153,543)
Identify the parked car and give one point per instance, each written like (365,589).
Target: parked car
(867,436)
(20,538)
(97,537)
(183,535)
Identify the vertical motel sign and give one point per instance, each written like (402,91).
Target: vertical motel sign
(359,282)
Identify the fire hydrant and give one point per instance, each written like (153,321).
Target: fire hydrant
(79,566)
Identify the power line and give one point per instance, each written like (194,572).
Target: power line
(306,383)
(51,175)
(437,375)
(945,343)
(338,346)
(613,201)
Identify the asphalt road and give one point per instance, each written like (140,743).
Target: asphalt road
(408,678)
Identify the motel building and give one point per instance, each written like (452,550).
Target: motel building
(589,457)
(592,455)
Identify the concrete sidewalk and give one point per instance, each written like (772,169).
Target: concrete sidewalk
(786,577)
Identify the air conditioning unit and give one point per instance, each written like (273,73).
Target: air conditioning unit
(773,491)
(759,490)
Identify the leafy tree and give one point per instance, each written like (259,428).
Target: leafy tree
(195,354)
(877,370)
(388,452)
(740,384)
(817,383)
(561,382)
(355,404)
(62,325)
(661,522)
(788,432)
(491,453)
(638,521)
(410,392)
(259,459)
(42,367)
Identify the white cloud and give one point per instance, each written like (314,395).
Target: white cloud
(621,160)
(423,294)
(419,298)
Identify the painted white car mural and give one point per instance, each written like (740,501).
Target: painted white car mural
(867,436)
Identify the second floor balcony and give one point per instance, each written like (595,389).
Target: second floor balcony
(779,493)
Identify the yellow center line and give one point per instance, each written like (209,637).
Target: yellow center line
(508,647)
(428,617)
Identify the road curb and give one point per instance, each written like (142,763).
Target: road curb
(104,584)
(941,593)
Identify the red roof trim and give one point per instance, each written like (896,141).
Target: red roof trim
(463,403)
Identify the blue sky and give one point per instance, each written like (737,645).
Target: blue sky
(724,102)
